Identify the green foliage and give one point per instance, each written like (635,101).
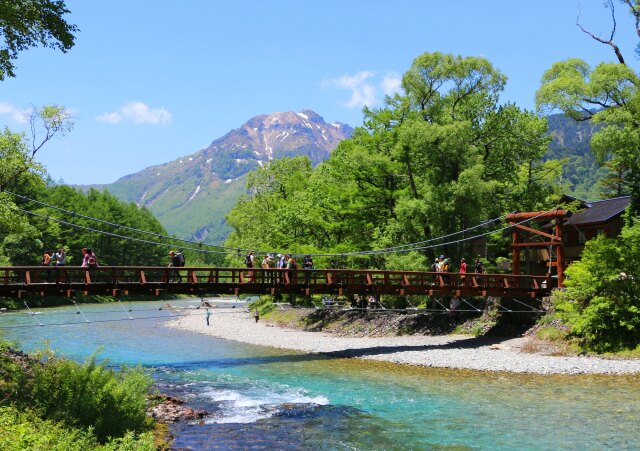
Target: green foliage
(89,395)
(609,96)
(20,430)
(29,23)
(25,430)
(55,402)
(442,157)
(264,304)
(601,303)
(18,169)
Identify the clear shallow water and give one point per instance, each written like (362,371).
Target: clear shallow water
(261,397)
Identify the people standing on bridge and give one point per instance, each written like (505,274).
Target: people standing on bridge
(281,264)
(89,258)
(46,258)
(60,257)
(445,269)
(266,275)
(250,262)
(292,265)
(175,262)
(479,266)
(307,264)
(441,263)
(463,270)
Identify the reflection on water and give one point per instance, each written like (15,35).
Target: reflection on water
(278,399)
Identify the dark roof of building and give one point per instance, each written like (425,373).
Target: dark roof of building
(600,211)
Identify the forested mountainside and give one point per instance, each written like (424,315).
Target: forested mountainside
(192,194)
(582,175)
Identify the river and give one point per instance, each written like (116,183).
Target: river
(270,398)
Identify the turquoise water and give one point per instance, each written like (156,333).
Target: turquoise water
(261,397)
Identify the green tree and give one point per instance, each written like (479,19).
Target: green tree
(29,23)
(609,96)
(441,157)
(600,302)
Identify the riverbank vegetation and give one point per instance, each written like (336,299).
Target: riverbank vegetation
(48,402)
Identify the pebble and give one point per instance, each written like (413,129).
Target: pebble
(441,351)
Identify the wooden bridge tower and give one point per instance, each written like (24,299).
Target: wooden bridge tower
(554,239)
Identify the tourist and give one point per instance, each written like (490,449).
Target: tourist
(250,262)
(208,315)
(256,315)
(307,264)
(281,263)
(175,262)
(89,258)
(479,266)
(445,269)
(46,258)
(60,257)
(463,270)
(266,275)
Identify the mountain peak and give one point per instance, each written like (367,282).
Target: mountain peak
(275,135)
(192,194)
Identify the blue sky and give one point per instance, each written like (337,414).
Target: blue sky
(149,81)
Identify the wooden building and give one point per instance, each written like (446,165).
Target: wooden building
(602,217)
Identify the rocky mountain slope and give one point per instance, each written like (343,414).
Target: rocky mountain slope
(191,195)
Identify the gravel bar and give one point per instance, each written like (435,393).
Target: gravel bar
(444,351)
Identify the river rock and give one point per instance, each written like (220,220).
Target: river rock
(172,409)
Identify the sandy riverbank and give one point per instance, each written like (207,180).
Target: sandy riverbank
(449,351)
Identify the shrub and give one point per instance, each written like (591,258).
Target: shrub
(25,430)
(601,302)
(89,395)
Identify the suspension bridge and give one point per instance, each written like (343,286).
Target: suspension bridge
(69,281)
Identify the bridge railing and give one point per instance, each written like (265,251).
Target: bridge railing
(257,280)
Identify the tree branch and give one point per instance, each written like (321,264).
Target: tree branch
(609,41)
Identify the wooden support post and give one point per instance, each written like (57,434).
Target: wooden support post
(27,278)
(560,253)
(515,252)
(143,278)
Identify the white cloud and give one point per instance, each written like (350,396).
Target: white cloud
(391,83)
(15,113)
(362,92)
(137,113)
(111,118)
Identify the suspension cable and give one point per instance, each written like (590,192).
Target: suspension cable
(133,229)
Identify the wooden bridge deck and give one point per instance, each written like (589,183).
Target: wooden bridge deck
(121,280)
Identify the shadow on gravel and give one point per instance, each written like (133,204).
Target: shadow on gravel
(464,343)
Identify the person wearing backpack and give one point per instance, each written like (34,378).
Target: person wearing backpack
(292,265)
(175,262)
(89,259)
